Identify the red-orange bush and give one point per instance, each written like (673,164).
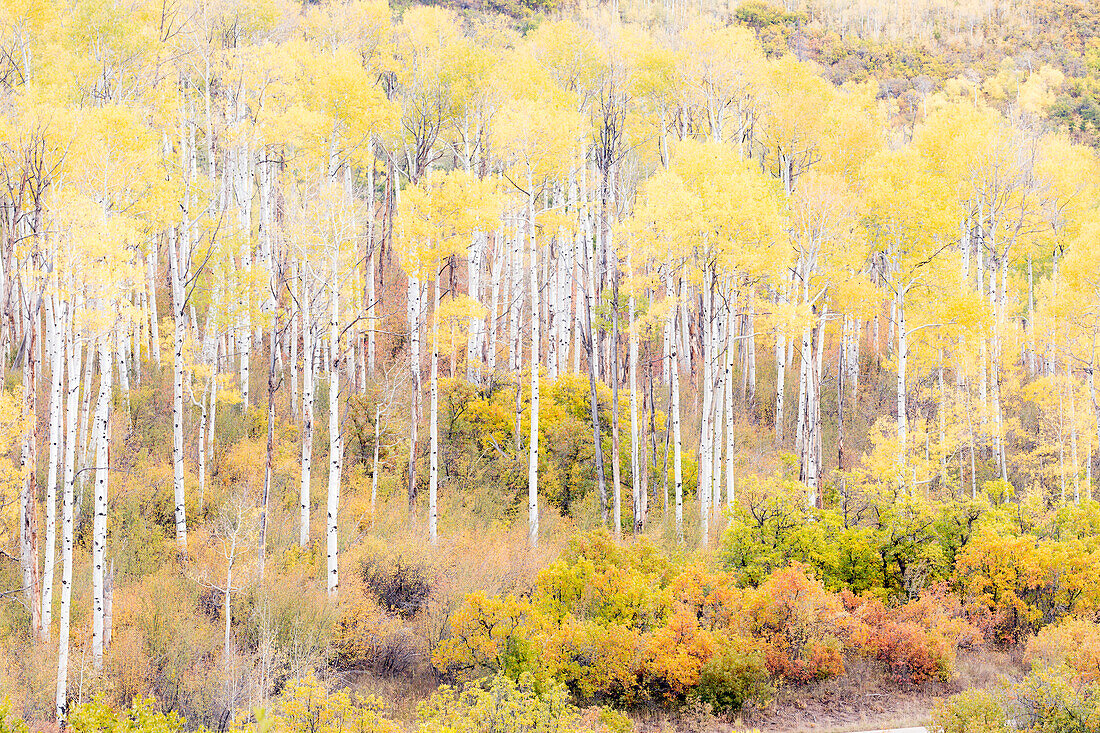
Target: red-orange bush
(675,655)
(800,624)
(917,641)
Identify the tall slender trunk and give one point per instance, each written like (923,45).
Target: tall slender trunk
(728,397)
(433,419)
(616,463)
(494,305)
(269,463)
(99,517)
(177,393)
(533,442)
(304,502)
(227,605)
(67,528)
(414,411)
(706,437)
(371,256)
(28,497)
(476,323)
(154,316)
(635,464)
(902,356)
(335,440)
(780,348)
(593,401)
(56,349)
(677,459)
(1073,436)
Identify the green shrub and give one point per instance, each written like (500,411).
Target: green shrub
(734,676)
(8,723)
(500,705)
(1046,701)
(98,717)
(973,711)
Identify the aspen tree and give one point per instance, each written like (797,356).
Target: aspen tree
(102,435)
(55,349)
(74,353)
(438,218)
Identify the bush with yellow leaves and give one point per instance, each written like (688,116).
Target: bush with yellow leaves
(1074,642)
(305,706)
(488,634)
(501,705)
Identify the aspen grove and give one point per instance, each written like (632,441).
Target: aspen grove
(295,295)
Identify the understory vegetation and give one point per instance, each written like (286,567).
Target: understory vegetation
(549,366)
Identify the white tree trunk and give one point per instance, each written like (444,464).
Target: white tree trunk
(56,349)
(515,303)
(729,415)
(476,326)
(99,517)
(433,422)
(902,357)
(177,393)
(533,442)
(494,305)
(335,441)
(304,502)
(677,464)
(780,349)
(64,610)
(635,465)
(414,358)
(154,325)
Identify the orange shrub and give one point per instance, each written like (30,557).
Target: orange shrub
(675,655)
(800,624)
(713,598)
(917,641)
(594,661)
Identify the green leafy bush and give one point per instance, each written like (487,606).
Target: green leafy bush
(734,676)
(973,711)
(500,705)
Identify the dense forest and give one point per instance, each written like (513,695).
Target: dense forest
(525,366)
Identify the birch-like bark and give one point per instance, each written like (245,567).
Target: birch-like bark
(433,420)
(494,307)
(706,439)
(151,284)
(28,495)
(370,275)
(780,348)
(674,408)
(902,358)
(56,349)
(177,392)
(476,323)
(533,441)
(1073,437)
(593,403)
(414,412)
(335,440)
(67,525)
(730,478)
(304,502)
(87,435)
(295,318)
(99,517)
(635,464)
(616,463)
